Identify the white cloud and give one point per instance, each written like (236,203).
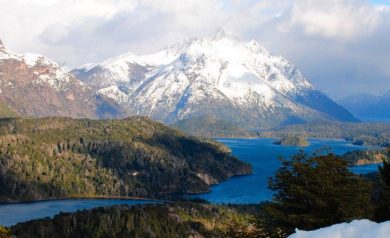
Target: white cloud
(23,22)
(336,18)
(332,40)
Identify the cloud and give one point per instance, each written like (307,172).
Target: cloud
(340,45)
(335,19)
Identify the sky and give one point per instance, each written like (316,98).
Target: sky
(341,46)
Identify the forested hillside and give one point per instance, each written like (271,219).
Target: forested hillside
(61,157)
(170,220)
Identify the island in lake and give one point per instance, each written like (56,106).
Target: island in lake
(292,140)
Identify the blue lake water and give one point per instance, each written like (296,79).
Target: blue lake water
(263,155)
(11,214)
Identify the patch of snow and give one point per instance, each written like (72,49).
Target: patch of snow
(5,54)
(34,59)
(30,59)
(354,229)
(56,77)
(114,93)
(58,80)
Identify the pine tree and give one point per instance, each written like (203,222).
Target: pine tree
(313,192)
(382,211)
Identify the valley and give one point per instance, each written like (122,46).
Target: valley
(211,136)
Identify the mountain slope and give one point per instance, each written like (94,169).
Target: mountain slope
(33,85)
(208,126)
(220,76)
(6,112)
(369,107)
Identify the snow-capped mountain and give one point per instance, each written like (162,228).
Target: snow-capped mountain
(222,76)
(33,85)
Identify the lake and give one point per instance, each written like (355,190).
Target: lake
(11,214)
(263,155)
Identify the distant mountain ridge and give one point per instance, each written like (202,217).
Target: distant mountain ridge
(368,107)
(34,86)
(220,77)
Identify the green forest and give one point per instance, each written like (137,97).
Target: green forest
(308,195)
(182,219)
(134,157)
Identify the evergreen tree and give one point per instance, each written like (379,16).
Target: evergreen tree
(382,211)
(313,192)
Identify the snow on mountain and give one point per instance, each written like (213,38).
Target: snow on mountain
(354,229)
(239,81)
(34,85)
(56,77)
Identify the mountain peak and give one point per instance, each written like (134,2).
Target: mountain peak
(222,33)
(218,75)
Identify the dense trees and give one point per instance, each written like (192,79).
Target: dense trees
(310,192)
(313,192)
(154,221)
(60,157)
(382,211)
(57,157)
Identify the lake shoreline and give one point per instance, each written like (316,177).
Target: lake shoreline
(316,138)
(26,211)
(263,155)
(85,198)
(239,189)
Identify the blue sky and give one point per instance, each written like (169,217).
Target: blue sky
(340,45)
(384,2)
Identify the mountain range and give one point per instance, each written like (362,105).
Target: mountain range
(221,77)
(34,86)
(368,107)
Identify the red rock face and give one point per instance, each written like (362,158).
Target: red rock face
(42,89)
